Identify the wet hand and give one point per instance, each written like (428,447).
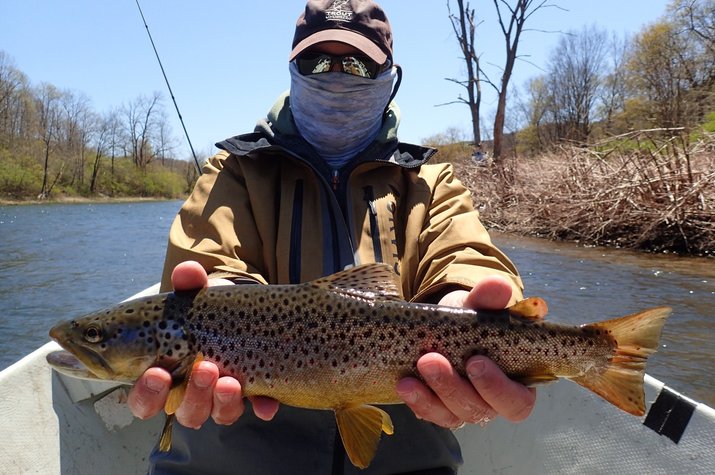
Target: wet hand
(449,400)
(207,394)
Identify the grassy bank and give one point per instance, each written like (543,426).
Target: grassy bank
(112,180)
(82,200)
(641,190)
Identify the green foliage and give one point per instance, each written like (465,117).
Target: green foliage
(125,179)
(21,178)
(709,124)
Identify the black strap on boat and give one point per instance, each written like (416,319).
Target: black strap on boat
(670,414)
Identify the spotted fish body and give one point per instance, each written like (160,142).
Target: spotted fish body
(343,342)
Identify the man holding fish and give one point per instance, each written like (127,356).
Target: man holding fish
(321,185)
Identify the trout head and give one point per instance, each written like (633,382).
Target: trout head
(122,342)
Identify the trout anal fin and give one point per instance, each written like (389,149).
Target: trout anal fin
(537,380)
(360,429)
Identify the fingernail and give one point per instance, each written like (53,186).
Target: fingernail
(476,369)
(154,384)
(409,397)
(431,372)
(202,380)
(224,398)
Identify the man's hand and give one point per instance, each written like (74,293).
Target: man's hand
(449,400)
(207,394)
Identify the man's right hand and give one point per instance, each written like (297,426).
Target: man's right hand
(207,394)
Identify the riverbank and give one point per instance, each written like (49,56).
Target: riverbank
(84,200)
(643,192)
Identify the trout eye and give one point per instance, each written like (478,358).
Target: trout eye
(93,334)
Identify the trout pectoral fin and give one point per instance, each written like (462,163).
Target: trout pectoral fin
(360,429)
(173,401)
(177,393)
(533,308)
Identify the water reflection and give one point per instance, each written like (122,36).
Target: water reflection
(589,284)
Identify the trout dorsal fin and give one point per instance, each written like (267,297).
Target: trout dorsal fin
(533,308)
(370,281)
(360,429)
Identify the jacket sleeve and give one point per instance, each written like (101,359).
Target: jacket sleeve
(205,231)
(456,251)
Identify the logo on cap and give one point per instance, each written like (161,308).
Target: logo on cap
(339,11)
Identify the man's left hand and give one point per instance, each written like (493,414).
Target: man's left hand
(449,400)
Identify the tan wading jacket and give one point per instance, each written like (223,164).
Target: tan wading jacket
(267,209)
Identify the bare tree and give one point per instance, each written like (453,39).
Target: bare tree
(698,18)
(48,98)
(165,142)
(535,134)
(694,21)
(512,26)
(77,124)
(15,103)
(657,72)
(104,140)
(464,26)
(615,88)
(141,126)
(575,81)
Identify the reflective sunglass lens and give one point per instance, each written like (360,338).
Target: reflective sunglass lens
(355,66)
(311,63)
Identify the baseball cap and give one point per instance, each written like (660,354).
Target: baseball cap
(359,23)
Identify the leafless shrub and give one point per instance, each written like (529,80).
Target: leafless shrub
(643,190)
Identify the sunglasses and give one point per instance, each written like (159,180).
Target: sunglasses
(356,65)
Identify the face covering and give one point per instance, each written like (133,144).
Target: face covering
(339,114)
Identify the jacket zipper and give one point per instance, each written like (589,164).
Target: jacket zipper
(296,234)
(369,197)
(335,180)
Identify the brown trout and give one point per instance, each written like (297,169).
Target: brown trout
(342,342)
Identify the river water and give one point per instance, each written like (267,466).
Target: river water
(60,261)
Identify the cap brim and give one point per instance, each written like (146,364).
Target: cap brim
(359,41)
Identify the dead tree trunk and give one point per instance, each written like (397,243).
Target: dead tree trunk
(464,28)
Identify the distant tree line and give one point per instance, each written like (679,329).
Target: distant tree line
(52,139)
(596,84)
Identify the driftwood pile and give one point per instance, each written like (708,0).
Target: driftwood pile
(645,190)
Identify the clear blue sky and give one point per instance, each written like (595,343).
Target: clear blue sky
(227,62)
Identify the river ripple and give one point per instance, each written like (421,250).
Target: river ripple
(583,285)
(60,261)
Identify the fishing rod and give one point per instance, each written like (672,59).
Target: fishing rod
(176,106)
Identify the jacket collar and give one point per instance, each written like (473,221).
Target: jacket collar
(278,133)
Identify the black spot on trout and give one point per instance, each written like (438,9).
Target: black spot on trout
(368,336)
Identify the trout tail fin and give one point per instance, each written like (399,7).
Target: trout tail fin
(636,337)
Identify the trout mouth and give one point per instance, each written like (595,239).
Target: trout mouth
(80,361)
(66,363)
